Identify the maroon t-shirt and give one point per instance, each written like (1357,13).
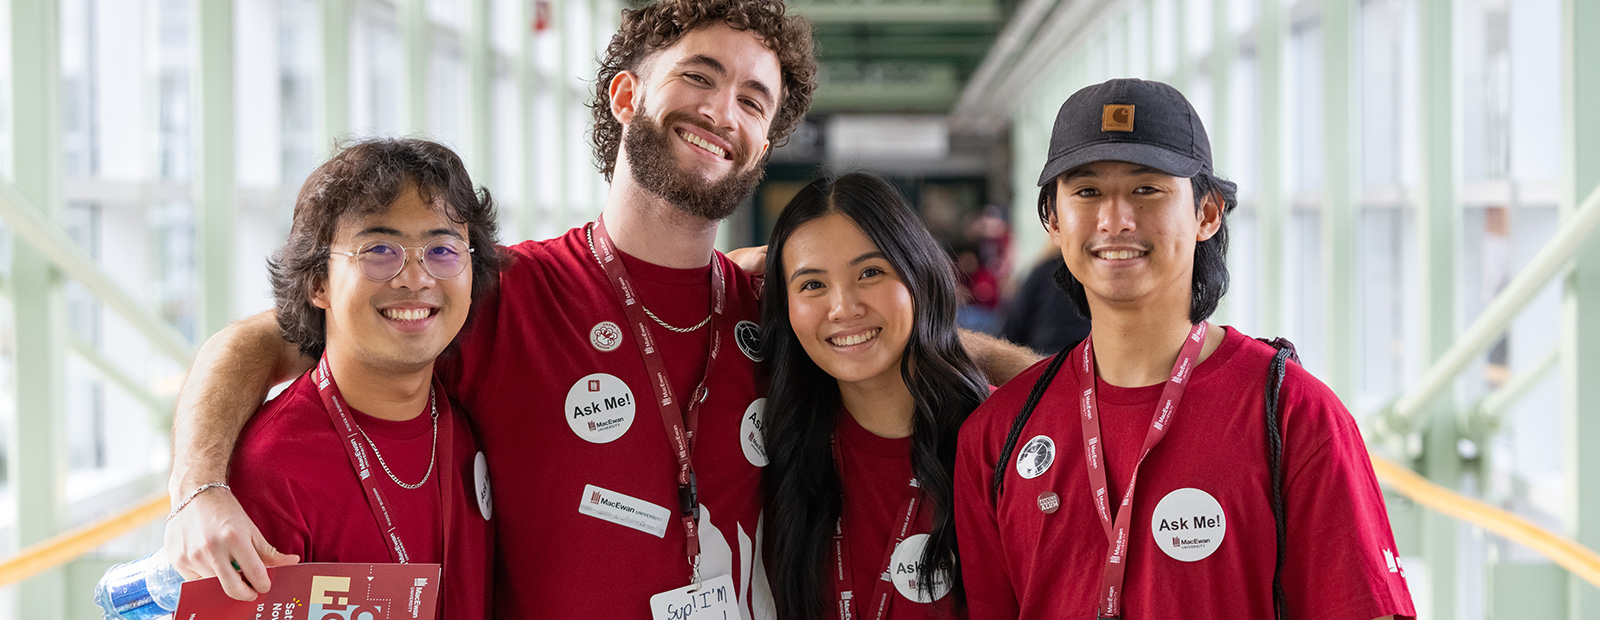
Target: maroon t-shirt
(586,495)
(1202,541)
(293,477)
(876,474)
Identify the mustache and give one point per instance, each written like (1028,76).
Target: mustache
(740,155)
(1124,242)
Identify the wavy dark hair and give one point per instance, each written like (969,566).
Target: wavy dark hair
(652,28)
(364,178)
(1210,280)
(803,488)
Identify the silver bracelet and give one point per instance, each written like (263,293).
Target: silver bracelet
(198,490)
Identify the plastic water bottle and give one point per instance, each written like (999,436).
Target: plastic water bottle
(144,589)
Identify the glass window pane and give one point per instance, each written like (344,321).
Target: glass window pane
(1535,53)
(1199,15)
(1304,102)
(447,97)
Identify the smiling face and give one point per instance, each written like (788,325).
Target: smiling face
(1128,233)
(849,308)
(697,116)
(404,323)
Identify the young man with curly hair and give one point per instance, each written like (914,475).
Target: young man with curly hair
(364,458)
(612,378)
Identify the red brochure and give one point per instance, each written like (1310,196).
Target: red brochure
(323,591)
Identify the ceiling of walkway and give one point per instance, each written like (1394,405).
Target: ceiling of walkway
(898,56)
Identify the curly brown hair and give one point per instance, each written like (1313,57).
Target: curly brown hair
(645,31)
(364,178)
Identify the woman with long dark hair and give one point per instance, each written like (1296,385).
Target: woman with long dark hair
(869,387)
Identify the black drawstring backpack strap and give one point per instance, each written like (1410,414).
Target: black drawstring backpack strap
(1021,420)
(1275,373)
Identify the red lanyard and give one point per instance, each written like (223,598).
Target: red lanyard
(339,413)
(680,426)
(1093,447)
(844,579)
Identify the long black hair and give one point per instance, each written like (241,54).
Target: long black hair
(803,402)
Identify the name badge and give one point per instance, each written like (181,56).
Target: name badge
(624,510)
(714,599)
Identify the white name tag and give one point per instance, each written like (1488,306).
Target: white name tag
(624,510)
(715,599)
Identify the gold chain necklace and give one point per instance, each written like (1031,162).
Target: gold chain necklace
(682,330)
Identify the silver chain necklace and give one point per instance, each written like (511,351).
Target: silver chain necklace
(434,412)
(682,330)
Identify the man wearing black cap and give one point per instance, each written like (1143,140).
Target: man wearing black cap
(1165,411)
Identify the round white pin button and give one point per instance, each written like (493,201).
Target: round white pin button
(1188,525)
(480,477)
(907,572)
(752,431)
(600,408)
(605,336)
(1035,457)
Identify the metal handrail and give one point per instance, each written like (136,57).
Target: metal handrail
(67,546)
(1485,418)
(32,226)
(1405,414)
(1575,558)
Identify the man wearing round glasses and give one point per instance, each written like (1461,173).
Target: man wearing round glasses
(364,458)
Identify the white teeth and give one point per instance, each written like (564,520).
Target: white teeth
(854,340)
(1119,254)
(698,141)
(407,314)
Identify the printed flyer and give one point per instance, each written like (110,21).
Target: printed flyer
(323,591)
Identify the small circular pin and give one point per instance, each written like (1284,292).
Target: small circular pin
(1049,502)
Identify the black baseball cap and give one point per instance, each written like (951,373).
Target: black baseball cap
(1136,121)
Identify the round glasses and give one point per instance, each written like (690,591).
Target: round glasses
(381,261)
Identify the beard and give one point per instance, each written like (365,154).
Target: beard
(650,159)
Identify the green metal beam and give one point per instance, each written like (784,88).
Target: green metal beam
(479,43)
(1580,341)
(1272,198)
(37,468)
(333,92)
(921,13)
(1184,70)
(528,140)
(1440,225)
(160,409)
(52,244)
(559,86)
(1224,49)
(416,41)
(214,186)
(1340,100)
(1482,420)
(935,91)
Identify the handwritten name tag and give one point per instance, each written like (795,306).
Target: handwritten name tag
(714,599)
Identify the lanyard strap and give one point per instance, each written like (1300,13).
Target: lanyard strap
(1117,530)
(333,402)
(844,578)
(680,426)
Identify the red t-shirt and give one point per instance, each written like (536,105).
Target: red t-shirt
(587,493)
(1202,540)
(293,477)
(873,484)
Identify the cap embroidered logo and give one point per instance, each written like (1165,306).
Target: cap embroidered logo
(1116,117)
